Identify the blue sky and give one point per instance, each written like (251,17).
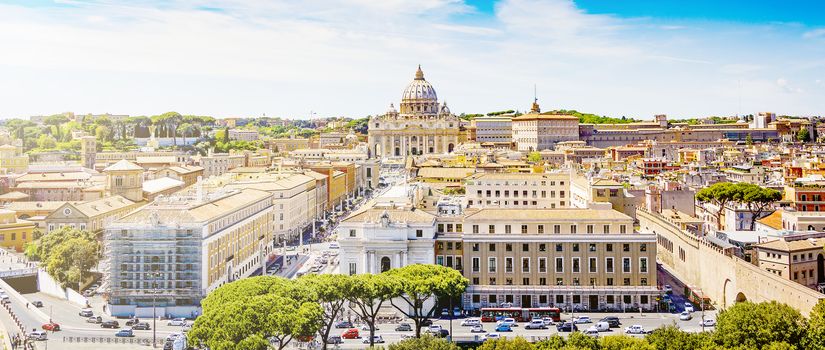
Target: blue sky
(292,58)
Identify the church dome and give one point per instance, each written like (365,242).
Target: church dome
(419,96)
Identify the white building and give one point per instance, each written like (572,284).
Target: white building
(497,129)
(517,190)
(243,134)
(535,131)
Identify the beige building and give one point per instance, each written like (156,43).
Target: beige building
(243,135)
(125,178)
(518,190)
(188,174)
(90,216)
(586,258)
(495,129)
(12,160)
(798,258)
(422,126)
(14,232)
(536,131)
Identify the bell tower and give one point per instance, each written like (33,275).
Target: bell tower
(126,179)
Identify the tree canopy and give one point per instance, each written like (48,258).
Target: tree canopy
(68,254)
(418,283)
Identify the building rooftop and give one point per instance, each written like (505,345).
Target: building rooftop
(773,221)
(161,184)
(123,165)
(568,214)
(792,246)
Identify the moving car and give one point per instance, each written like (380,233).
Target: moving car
(708,323)
(602,326)
(685,316)
(503,327)
(477,329)
(566,327)
(37,335)
(592,331)
(37,303)
(508,321)
(141,326)
(443,333)
(51,326)
(377,339)
(109,324)
(469,322)
(636,329)
(403,327)
(174,322)
(613,321)
(334,340)
(491,336)
(86,313)
(351,333)
(173,336)
(343,324)
(434,329)
(582,319)
(124,333)
(135,320)
(547,321)
(95,319)
(536,324)
(689,307)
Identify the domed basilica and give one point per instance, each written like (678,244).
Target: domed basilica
(420,126)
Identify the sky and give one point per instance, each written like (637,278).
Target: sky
(320,58)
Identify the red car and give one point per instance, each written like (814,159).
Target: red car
(351,333)
(51,326)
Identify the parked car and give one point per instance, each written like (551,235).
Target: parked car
(173,322)
(477,329)
(426,323)
(602,326)
(685,316)
(109,324)
(469,322)
(86,313)
(37,335)
(37,303)
(403,327)
(456,312)
(566,327)
(547,321)
(636,329)
(668,289)
(491,336)
(343,324)
(508,321)
(709,322)
(535,324)
(335,339)
(173,336)
(169,345)
(133,321)
(689,307)
(51,326)
(186,327)
(582,319)
(613,321)
(351,333)
(592,331)
(503,327)
(443,333)
(125,333)
(95,319)
(141,326)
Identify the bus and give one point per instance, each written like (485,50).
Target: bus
(493,314)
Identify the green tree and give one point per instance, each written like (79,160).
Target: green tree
(554,342)
(368,293)
(424,343)
(815,335)
(718,194)
(419,283)
(331,291)
(534,157)
(184,129)
(756,198)
(55,121)
(103,133)
(46,142)
(68,254)
(517,343)
(803,135)
(749,140)
(581,341)
(672,338)
(624,342)
(755,326)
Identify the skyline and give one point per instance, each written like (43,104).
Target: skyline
(229,58)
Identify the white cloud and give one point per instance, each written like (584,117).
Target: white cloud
(353,57)
(816,33)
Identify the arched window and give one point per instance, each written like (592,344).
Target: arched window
(385,264)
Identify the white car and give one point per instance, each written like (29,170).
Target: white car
(334,245)
(477,329)
(377,339)
(176,322)
(491,336)
(685,316)
(173,336)
(469,322)
(508,321)
(434,329)
(37,335)
(708,323)
(592,331)
(635,329)
(536,324)
(688,307)
(582,319)
(547,321)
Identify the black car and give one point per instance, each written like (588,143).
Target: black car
(141,326)
(37,303)
(343,324)
(426,323)
(110,324)
(567,327)
(404,327)
(132,322)
(613,321)
(168,345)
(335,339)
(443,333)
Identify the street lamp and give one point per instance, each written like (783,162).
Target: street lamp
(155,275)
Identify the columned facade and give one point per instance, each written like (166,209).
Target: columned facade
(423,126)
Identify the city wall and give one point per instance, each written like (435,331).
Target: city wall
(724,278)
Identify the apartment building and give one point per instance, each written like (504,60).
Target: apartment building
(176,250)
(92,216)
(586,258)
(495,129)
(798,258)
(15,233)
(535,131)
(243,135)
(518,190)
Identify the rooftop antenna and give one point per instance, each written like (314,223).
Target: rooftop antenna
(535,95)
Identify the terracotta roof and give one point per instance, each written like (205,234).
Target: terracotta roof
(123,165)
(792,246)
(773,221)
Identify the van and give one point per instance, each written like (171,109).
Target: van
(603,326)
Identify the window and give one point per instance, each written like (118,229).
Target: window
(572,228)
(439,260)
(508,265)
(507,229)
(352,233)
(609,247)
(576,265)
(608,265)
(626,265)
(625,247)
(491,265)
(352,269)
(525,247)
(508,247)
(643,247)
(589,228)
(523,229)
(643,265)
(606,228)
(591,247)
(492,247)
(542,247)
(419,233)
(576,282)
(440,227)
(556,229)
(491,228)
(541,229)
(575,247)
(525,264)
(542,265)
(449,245)
(475,247)
(493,282)
(626,282)
(459,228)
(560,282)
(609,283)
(508,281)
(643,281)
(592,265)
(623,229)
(476,264)
(559,265)
(559,247)
(475,228)
(525,281)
